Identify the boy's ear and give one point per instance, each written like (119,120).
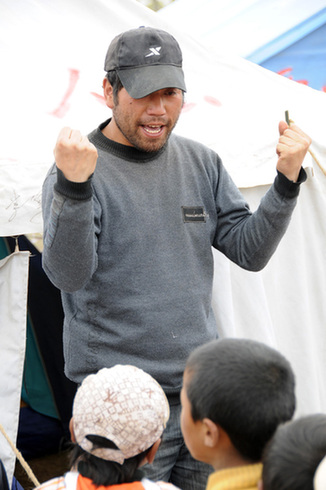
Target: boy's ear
(153,450)
(211,433)
(149,458)
(71,430)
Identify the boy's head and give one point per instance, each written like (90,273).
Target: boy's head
(320,475)
(235,393)
(291,459)
(122,406)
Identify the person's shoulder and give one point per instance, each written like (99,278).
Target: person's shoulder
(158,485)
(66,482)
(163,485)
(57,483)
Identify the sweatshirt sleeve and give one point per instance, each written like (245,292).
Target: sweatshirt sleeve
(70,246)
(250,239)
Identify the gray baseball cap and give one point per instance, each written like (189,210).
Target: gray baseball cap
(146,60)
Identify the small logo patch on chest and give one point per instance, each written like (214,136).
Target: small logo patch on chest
(193,214)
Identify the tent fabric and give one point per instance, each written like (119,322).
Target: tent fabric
(43,423)
(239,27)
(235,98)
(35,387)
(44,386)
(65,89)
(13,312)
(45,315)
(284,305)
(277,34)
(232,105)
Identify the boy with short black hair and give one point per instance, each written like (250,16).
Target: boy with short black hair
(119,415)
(320,475)
(292,458)
(235,394)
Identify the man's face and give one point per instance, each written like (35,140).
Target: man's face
(146,123)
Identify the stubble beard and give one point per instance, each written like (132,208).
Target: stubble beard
(132,133)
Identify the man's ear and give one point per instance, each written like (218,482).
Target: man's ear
(71,430)
(108,93)
(211,433)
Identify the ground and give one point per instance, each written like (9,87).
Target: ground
(44,468)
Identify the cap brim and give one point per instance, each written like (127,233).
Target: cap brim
(142,81)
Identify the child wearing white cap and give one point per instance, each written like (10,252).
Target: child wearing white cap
(119,415)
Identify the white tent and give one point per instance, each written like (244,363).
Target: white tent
(52,54)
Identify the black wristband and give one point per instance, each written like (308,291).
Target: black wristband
(288,188)
(79,191)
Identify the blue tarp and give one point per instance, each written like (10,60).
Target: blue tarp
(300,54)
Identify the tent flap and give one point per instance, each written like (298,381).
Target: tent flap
(13,311)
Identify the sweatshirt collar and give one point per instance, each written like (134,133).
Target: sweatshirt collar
(123,151)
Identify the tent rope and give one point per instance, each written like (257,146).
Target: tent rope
(317,161)
(22,461)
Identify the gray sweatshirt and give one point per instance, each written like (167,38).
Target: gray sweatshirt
(130,250)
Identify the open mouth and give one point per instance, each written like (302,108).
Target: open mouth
(153,130)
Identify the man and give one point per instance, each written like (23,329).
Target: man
(130,216)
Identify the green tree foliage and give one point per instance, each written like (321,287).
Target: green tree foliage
(155,4)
